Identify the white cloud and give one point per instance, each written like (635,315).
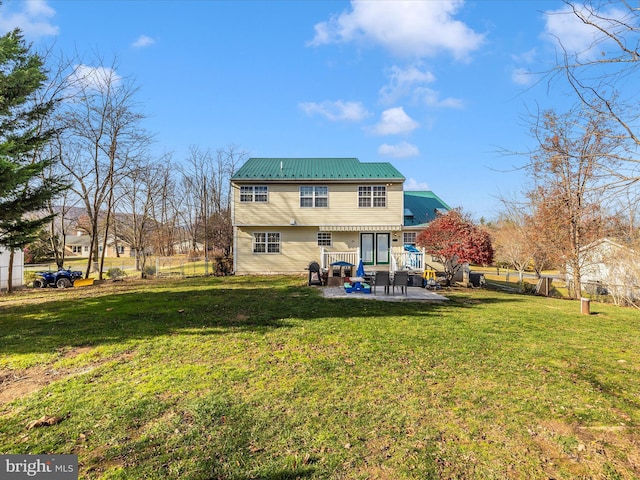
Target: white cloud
(578,39)
(526,57)
(143,41)
(402,81)
(413,185)
(522,76)
(400,150)
(39,7)
(407,28)
(94,78)
(431,98)
(336,111)
(394,121)
(410,82)
(32,17)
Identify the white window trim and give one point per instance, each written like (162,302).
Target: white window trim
(372,197)
(404,238)
(314,196)
(328,236)
(267,243)
(250,191)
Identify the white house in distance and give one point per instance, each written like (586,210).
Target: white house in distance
(610,268)
(18,268)
(288,212)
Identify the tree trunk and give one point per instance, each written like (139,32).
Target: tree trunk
(10,271)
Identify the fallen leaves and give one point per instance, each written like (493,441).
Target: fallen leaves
(45,421)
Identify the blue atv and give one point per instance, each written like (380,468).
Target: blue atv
(60,279)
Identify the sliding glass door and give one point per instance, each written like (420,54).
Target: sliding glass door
(374,248)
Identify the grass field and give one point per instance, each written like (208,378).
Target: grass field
(243,377)
(177,265)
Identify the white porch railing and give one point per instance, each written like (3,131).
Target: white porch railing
(409,260)
(404,260)
(327,258)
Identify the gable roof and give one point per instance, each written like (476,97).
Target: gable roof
(421,208)
(608,244)
(311,169)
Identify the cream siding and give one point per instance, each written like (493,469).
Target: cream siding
(298,248)
(283,207)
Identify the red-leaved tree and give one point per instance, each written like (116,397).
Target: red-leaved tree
(453,239)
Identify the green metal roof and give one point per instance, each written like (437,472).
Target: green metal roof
(421,208)
(309,169)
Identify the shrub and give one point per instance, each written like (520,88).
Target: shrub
(149,270)
(115,273)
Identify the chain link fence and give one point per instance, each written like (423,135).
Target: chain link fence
(178,266)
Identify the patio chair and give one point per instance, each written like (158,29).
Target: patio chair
(381,279)
(400,280)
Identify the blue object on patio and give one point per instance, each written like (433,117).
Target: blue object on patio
(360,270)
(358,280)
(342,263)
(412,259)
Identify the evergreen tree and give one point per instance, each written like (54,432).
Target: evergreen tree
(23,188)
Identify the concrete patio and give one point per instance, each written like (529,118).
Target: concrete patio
(414,294)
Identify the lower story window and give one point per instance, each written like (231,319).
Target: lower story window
(266,242)
(324,239)
(409,238)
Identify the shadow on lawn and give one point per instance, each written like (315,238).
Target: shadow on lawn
(212,309)
(283,475)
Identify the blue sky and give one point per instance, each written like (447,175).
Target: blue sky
(437,88)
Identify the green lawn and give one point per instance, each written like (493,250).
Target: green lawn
(243,377)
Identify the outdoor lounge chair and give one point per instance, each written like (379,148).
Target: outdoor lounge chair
(400,280)
(381,279)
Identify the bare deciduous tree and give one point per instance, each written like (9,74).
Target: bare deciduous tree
(138,194)
(604,75)
(570,168)
(511,243)
(103,126)
(206,213)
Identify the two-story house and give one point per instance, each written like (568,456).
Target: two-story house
(287,212)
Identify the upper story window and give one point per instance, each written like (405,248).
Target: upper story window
(311,196)
(372,196)
(254,193)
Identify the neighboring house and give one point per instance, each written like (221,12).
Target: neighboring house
(287,212)
(610,268)
(78,246)
(185,247)
(18,268)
